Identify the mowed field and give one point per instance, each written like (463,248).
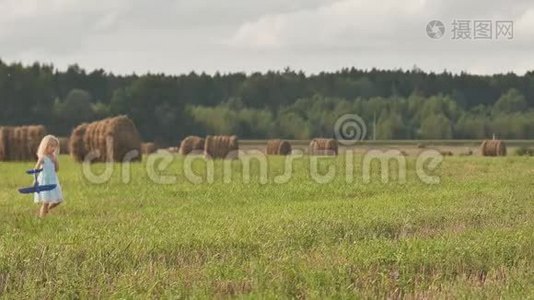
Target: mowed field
(472,235)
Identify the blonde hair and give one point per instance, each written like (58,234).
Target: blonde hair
(45,142)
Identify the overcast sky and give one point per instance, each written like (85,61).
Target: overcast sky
(125,36)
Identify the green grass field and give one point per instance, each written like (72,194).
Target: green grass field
(470,236)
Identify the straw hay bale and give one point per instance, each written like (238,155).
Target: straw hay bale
(20,143)
(322,146)
(278,147)
(493,148)
(110,139)
(221,146)
(148,148)
(190,144)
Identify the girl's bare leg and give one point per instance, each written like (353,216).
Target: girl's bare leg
(44,210)
(53,205)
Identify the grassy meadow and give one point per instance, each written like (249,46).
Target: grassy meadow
(472,235)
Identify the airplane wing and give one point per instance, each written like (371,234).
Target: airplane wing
(37,189)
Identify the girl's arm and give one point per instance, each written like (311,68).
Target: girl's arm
(39,163)
(56,163)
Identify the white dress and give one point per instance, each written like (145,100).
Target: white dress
(48,176)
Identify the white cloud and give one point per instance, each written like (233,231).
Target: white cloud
(391,34)
(349,23)
(524,27)
(52,26)
(177,36)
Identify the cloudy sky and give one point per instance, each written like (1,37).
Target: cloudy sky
(178,36)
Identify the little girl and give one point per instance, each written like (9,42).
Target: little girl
(47,155)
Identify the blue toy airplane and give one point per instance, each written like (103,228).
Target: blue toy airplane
(36,188)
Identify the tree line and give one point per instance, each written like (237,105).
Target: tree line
(395,104)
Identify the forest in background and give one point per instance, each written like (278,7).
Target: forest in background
(404,104)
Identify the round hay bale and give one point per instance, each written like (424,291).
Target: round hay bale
(124,139)
(278,147)
(446,153)
(95,139)
(10,140)
(3,144)
(217,145)
(25,149)
(485,148)
(112,138)
(221,146)
(64,145)
(76,142)
(20,143)
(35,134)
(224,146)
(89,138)
(322,146)
(173,149)
(208,146)
(15,143)
(148,148)
(493,148)
(99,140)
(501,148)
(468,152)
(190,144)
(233,145)
(6,134)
